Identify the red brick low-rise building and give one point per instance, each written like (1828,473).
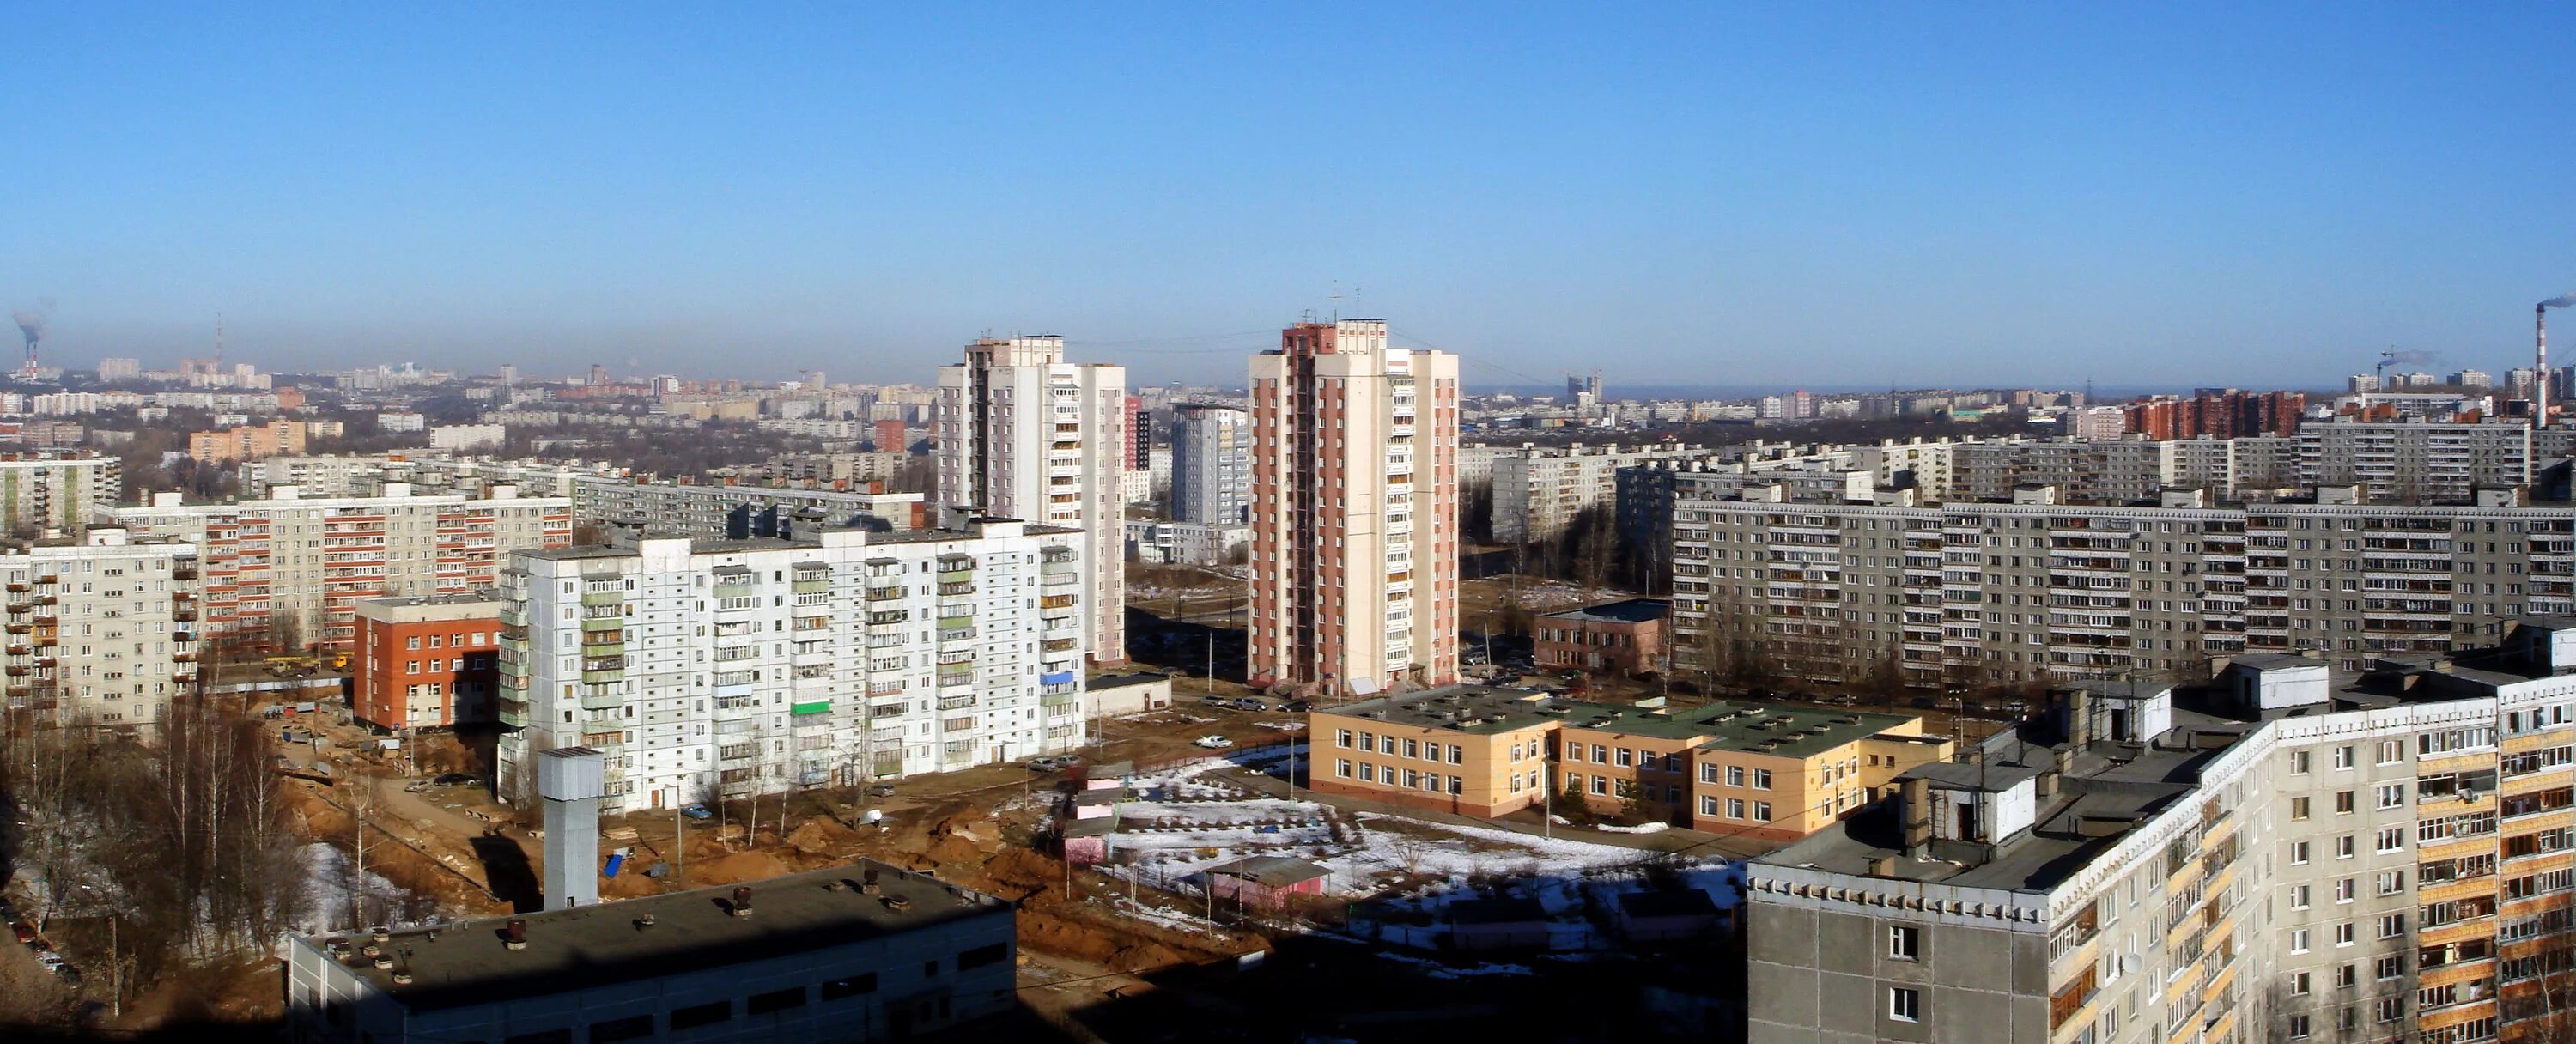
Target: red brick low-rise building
(425,663)
(1626,637)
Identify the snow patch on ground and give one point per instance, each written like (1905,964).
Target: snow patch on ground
(1641,828)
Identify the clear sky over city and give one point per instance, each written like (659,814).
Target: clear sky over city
(1827,195)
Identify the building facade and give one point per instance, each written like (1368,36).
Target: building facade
(427,662)
(1023,434)
(60,492)
(287,571)
(1750,771)
(738,511)
(102,632)
(860,953)
(716,669)
(1539,490)
(1627,637)
(1998,593)
(1354,510)
(249,442)
(2299,856)
(1211,465)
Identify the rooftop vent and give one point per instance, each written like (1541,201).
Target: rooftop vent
(515,935)
(742,901)
(897,903)
(868,882)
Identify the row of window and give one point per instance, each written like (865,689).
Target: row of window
(1370,742)
(1412,779)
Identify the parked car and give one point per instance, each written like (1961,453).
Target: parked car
(456,779)
(1212,742)
(696,812)
(1250,704)
(1297,706)
(881,790)
(1055,763)
(1214,700)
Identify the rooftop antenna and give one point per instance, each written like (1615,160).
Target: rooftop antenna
(1336,297)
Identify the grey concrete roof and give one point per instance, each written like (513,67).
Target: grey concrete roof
(1634,610)
(466,963)
(1271,871)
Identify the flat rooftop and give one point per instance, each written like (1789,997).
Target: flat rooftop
(1480,709)
(2110,789)
(466,963)
(1634,610)
(1753,728)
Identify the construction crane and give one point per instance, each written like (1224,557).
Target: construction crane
(2394,356)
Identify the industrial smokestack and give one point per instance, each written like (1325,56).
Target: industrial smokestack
(2540,395)
(31,325)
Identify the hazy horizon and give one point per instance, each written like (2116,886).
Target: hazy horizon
(1953,196)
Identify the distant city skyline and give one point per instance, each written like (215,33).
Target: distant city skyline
(2011,196)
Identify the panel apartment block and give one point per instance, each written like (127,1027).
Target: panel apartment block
(2294,854)
(286,564)
(1965,593)
(102,632)
(709,669)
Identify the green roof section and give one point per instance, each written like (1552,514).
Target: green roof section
(816,707)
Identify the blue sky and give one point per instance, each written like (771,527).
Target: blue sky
(2164,195)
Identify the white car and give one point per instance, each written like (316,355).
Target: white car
(1213,742)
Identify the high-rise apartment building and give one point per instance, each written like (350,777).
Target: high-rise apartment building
(1211,465)
(1023,434)
(710,668)
(2296,853)
(290,571)
(1354,510)
(102,632)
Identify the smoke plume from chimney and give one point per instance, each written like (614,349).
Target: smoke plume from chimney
(2560,301)
(31,321)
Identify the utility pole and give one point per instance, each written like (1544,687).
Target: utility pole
(680,844)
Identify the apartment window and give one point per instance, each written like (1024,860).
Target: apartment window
(838,989)
(2343,802)
(1624,757)
(1735,775)
(1344,739)
(2390,1009)
(632,1027)
(412,643)
(2392,751)
(1707,805)
(1905,1005)
(1904,943)
(707,1014)
(2347,976)
(2298,897)
(1735,808)
(1708,773)
(2344,847)
(1761,779)
(2299,763)
(1457,754)
(1412,748)
(2343,757)
(776,1000)
(1600,784)
(1368,772)
(2392,795)
(1600,754)
(2391,882)
(2298,853)
(1761,811)
(2299,984)
(1368,742)
(2298,808)
(2391,967)
(2392,925)
(2345,934)
(2392,839)
(2298,1027)
(1342,768)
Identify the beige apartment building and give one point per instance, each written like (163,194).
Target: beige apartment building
(56,491)
(101,632)
(1354,511)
